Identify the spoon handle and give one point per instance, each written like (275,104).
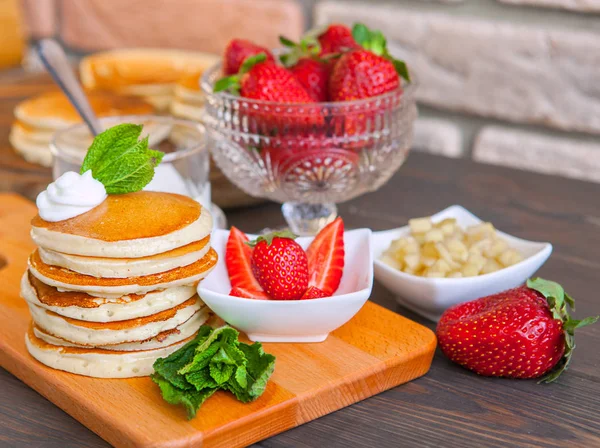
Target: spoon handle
(55,61)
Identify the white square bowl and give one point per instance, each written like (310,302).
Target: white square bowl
(430,297)
(293,320)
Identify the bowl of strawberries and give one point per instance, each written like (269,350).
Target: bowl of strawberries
(279,288)
(313,124)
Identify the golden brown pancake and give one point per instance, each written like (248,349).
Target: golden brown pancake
(127,324)
(113,70)
(75,279)
(144,214)
(51,296)
(53,109)
(190,82)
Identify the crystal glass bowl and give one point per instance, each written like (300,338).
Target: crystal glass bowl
(309,156)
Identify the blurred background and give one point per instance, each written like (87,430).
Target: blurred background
(509,82)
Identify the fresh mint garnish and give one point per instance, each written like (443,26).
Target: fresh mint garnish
(214,360)
(120,160)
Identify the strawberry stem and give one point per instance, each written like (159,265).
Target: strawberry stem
(232,84)
(559,303)
(268,238)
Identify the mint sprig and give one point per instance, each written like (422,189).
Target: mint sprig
(122,162)
(214,360)
(375,42)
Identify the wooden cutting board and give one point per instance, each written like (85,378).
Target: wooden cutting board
(375,351)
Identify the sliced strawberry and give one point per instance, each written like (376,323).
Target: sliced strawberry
(248,293)
(313,293)
(326,258)
(237,259)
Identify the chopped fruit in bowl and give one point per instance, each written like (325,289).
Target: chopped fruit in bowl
(305,287)
(317,122)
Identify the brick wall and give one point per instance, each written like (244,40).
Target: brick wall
(514,82)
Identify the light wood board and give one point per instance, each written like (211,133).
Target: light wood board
(375,351)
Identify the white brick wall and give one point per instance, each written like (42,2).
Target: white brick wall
(574,5)
(518,73)
(538,152)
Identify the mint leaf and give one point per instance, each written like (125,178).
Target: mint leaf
(201,379)
(121,162)
(259,368)
(190,399)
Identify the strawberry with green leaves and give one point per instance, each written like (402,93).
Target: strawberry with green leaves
(525,332)
(280,265)
(367,72)
(336,38)
(237,51)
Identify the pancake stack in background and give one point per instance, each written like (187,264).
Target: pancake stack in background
(188,100)
(40,117)
(149,73)
(113,289)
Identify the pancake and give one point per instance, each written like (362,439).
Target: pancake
(31,133)
(95,334)
(122,69)
(53,111)
(128,267)
(187,90)
(79,305)
(96,362)
(167,337)
(72,281)
(30,150)
(187,111)
(132,225)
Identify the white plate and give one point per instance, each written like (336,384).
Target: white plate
(430,297)
(293,320)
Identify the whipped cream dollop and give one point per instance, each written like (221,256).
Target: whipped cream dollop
(70,195)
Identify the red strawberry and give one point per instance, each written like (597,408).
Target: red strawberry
(361,74)
(313,75)
(237,259)
(336,38)
(237,51)
(326,258)
(280,266)
(524,332)
(313,293)
(248,293)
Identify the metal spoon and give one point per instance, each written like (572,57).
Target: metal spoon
(55,60)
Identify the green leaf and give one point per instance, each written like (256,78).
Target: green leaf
(221,372)
(259,368)
(201,379)
(287,42)
(206,350)
(229,83)
(401,69)
(361,33)
(121,162)
(268,238)
(251,61)
(112,141)
(190,399)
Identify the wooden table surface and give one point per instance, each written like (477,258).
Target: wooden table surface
(449,406)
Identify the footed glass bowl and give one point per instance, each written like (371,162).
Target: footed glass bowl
(308,156)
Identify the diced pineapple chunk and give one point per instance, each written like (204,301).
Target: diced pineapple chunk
(458,250)
(491,266)
(429,250)
(455,274)
(428,261)
(509,257)
(470,270)
(496,248)
(447,226)
(480,231)
(440,266)
(412,261)
(477,261)
(419,238)
(391,262)
(420,225)
(434,235)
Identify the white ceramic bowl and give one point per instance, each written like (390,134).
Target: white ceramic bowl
(293,320)
(430,297)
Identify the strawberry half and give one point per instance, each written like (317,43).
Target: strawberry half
(237,51)
(326,258)
(524,332)
(248,293)
(237,259)
(280,265)
(314,293)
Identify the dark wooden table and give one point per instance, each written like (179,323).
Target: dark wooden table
(449,406)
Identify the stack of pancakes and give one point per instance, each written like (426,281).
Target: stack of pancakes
(38,118)
(113,289)
(188,101)
(149,73)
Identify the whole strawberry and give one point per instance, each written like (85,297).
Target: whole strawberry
(280,265)
(237,51)
(313,75)
(335,39)
(524,332)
